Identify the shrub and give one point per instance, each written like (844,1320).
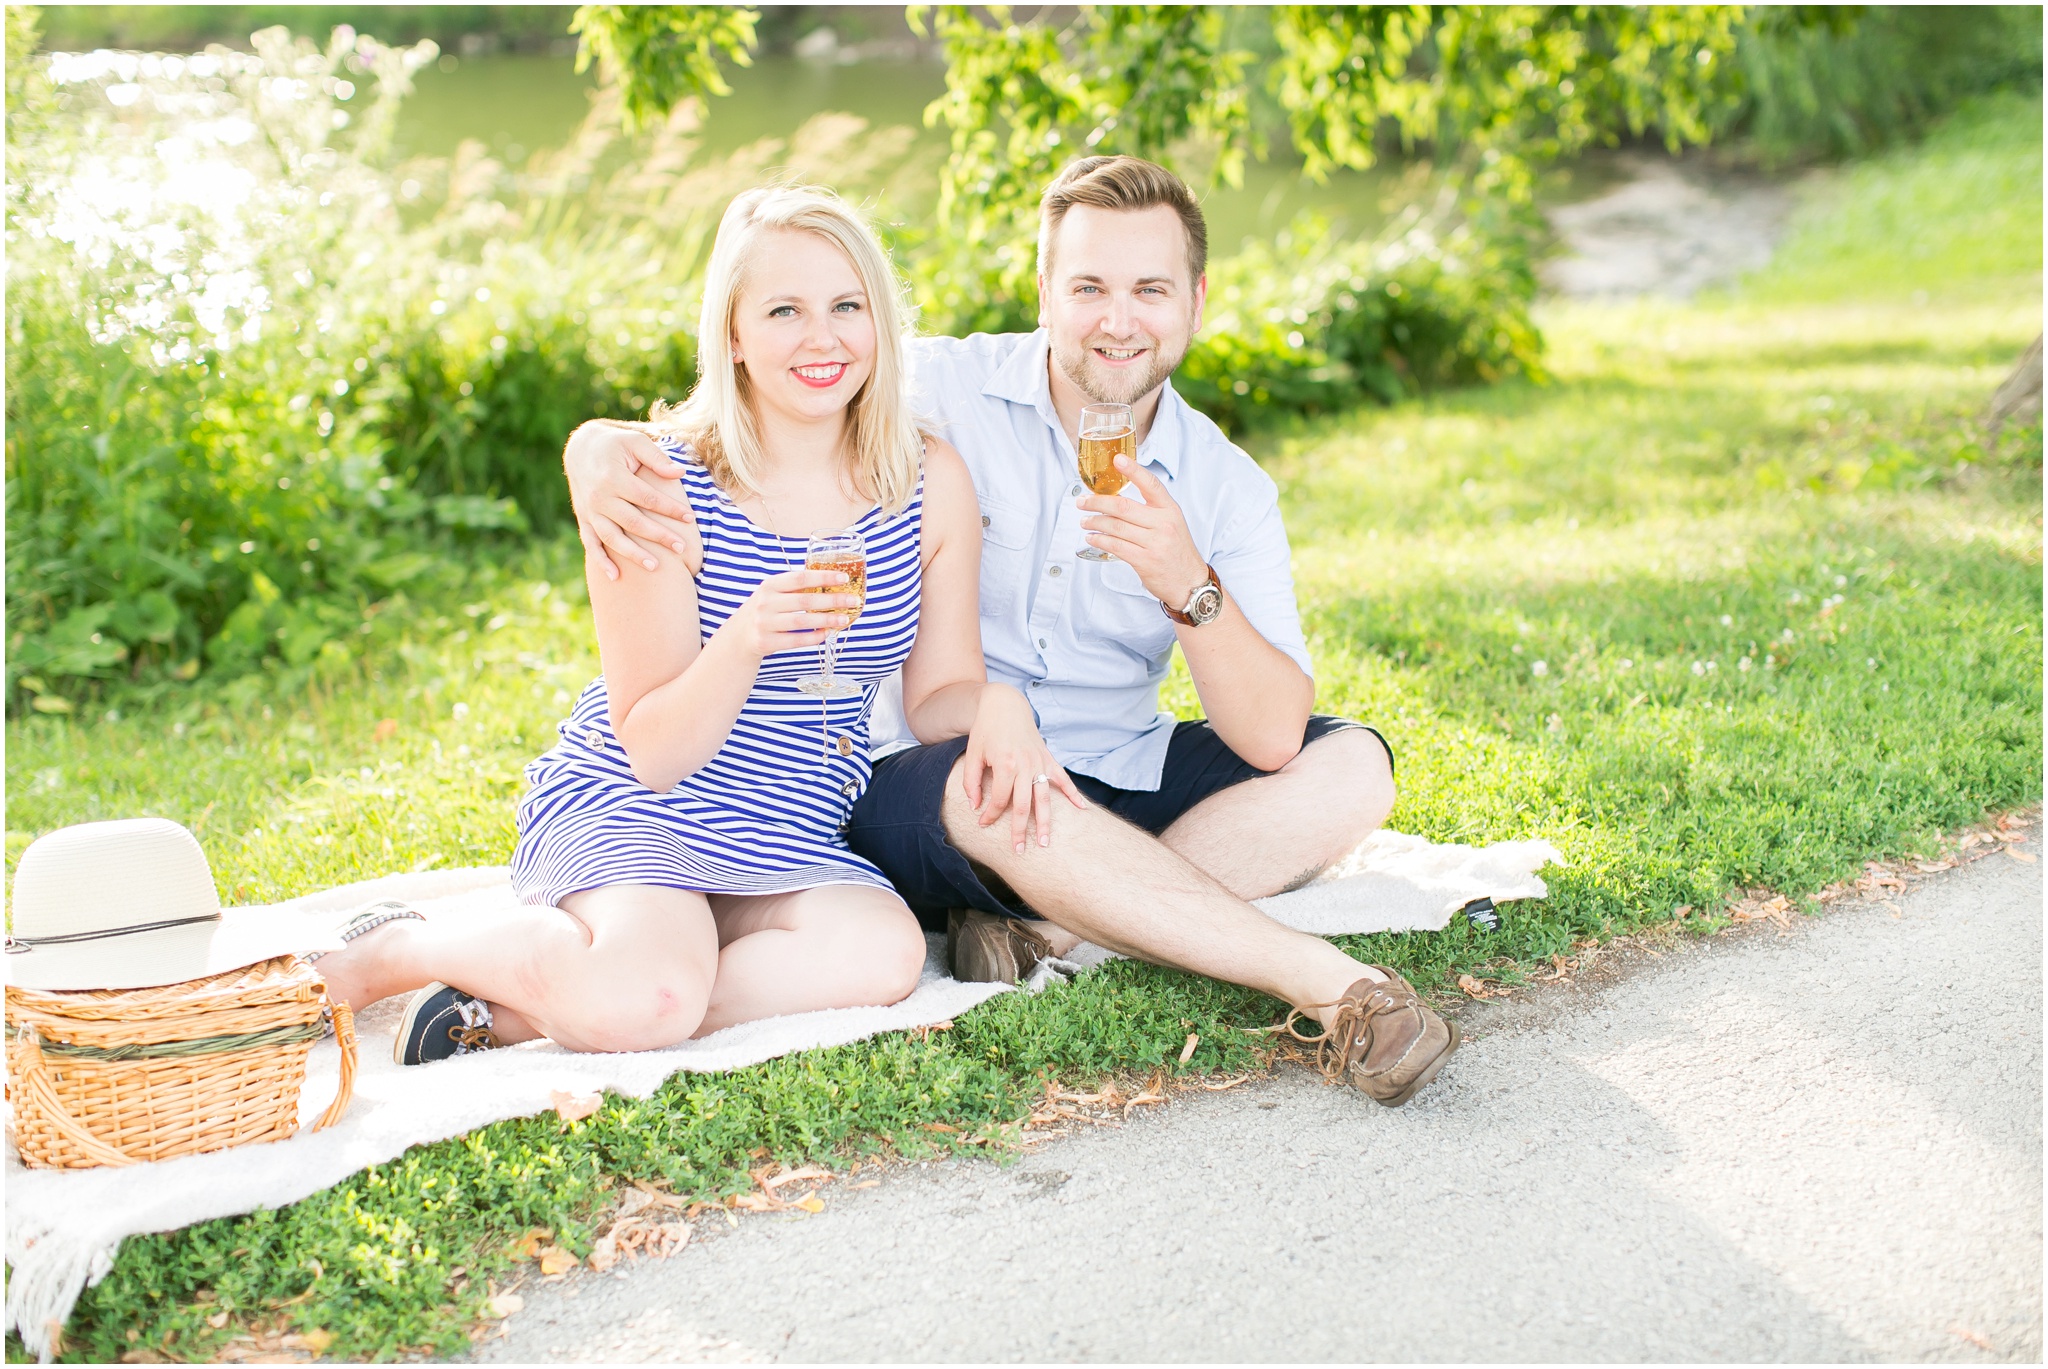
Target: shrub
(1843,83)
(1312,324)
(306,383)
(179,476)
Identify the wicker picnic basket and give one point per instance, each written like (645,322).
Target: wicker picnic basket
(113,1076)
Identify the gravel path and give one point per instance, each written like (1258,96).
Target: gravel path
(1823,1145)
(1673,228)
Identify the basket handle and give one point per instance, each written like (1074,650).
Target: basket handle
(345,1037)
(35,1082)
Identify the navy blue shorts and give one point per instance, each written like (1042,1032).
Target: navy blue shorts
(897,823)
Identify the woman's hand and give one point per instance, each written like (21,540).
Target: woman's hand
(1004,742)
(787,611)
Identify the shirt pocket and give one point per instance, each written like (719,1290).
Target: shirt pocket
(1115,607)
(1006,536)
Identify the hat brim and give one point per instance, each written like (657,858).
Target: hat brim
(243,936)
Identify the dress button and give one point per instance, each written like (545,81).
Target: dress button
(844,745)
(592,737)
(1052,570)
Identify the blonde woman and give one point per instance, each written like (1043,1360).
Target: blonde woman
(680,851)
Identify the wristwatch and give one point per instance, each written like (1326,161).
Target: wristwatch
(1202,606)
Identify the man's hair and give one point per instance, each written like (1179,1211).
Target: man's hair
(1121,183)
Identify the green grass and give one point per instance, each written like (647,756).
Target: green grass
(1789,475)
(1960,213)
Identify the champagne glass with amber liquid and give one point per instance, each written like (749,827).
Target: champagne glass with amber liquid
(841,550)
(1107,432)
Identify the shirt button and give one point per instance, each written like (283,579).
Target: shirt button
(1041,643)
(1052,570)
(844,744)
(984,520)
(1076,489)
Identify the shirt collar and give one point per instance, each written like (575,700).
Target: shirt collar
(1023,379)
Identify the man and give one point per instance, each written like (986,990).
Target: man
(1188,820)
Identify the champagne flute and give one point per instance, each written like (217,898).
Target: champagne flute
(1107,432)
(840,549)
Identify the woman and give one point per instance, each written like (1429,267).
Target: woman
(679,851)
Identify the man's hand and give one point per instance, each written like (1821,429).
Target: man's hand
(1152,537)
(623,505)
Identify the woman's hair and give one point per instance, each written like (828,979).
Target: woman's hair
(718,418)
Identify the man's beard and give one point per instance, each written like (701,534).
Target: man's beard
(1117,387)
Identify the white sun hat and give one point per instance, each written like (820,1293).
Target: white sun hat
(131,905)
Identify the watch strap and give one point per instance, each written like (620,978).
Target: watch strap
(1180,616)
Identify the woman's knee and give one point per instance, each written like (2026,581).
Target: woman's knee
(882,939)
(641,1011)
(623,986)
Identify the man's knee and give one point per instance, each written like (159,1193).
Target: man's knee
(1353,769)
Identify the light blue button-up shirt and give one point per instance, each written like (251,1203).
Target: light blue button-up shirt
(1083,640)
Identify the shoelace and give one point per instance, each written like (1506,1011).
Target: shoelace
(475,1032)
(468,1039)
(1352,1015)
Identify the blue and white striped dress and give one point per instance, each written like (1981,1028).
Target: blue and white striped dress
(764,815)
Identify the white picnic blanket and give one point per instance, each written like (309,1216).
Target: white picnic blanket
(65,1226)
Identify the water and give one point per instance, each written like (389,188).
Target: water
(518,105)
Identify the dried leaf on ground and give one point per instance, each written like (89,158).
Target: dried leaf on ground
(810,1202)
(1976,1338)
(217,1320)
(2019,855)
(555,1261)
(504,1305)
(1476,989)
(657,1197)
(315,1341)
(1187,1051)
(755,1202)
(869,1183)
(528,1246)
(791,1176)
(574,1107)
(1218,1085)
(939,1126)
(632,1237)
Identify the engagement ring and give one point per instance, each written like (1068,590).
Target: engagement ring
(1043,779)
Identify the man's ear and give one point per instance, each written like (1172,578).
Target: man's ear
(1201,298)
(1041,301)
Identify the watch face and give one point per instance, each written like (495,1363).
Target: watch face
(1207,603)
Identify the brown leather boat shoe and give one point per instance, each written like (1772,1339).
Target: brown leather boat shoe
(1385,1041)
(982,948)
